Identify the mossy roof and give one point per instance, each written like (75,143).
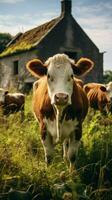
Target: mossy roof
(29,39)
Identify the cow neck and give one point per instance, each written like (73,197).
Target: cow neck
(67,114)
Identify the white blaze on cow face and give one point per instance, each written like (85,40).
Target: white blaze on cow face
(60,80)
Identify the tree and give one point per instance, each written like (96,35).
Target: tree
(107,77)
(5,38)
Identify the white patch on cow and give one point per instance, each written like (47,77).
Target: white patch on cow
(65,129)
(15,95)
(60,78)
(109,89)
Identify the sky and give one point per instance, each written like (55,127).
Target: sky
(95,17)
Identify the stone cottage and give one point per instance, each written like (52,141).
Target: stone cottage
(60,35)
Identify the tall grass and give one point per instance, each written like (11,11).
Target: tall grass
(22,159)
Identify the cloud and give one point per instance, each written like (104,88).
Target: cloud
(14,24)
(96,21)
(96,8)
(10,1)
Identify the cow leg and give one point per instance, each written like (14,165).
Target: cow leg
(65,149)
(74,143)
(72,153)
(48,148)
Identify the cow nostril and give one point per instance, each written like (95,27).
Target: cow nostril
(57,97)
(61,98)
(66,97)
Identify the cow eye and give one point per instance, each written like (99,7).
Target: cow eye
(50,77)
(72,76)
(69,79)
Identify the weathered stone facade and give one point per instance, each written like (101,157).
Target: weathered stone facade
(9,79)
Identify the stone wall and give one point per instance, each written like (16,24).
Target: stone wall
(8,79)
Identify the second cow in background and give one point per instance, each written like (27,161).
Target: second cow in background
(11,102)
(97,96)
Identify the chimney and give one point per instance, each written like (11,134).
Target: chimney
(66,7)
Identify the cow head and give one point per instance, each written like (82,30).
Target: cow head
(92,86)
(60,70)
(2,95)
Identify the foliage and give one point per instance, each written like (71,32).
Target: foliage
(5,38)
(22,160)
(107,77)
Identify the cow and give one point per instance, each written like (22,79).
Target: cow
(97,96)
(12,102)
(109,91)
(59,103)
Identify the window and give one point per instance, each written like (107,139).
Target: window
(15,69)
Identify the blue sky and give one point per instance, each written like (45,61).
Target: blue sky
(95,17)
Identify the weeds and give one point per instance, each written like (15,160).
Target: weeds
(22,160)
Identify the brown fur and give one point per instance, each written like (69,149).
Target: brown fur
(97,96)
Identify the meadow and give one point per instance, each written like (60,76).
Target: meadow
(22,159)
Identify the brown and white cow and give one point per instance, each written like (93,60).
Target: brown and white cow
(59,103)
(12,102)
(97,96)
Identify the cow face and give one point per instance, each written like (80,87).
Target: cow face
(60,70)
(2,95)
(60,81)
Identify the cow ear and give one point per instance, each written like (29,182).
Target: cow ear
(36,68)
(83,66)
(103,88)
(86,88)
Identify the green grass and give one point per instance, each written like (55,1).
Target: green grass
(22,159)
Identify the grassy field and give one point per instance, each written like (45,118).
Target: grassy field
(22,160)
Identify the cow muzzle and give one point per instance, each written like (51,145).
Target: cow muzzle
(61,99)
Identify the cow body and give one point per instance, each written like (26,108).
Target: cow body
(12,102)
(97,96)
(59,104)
